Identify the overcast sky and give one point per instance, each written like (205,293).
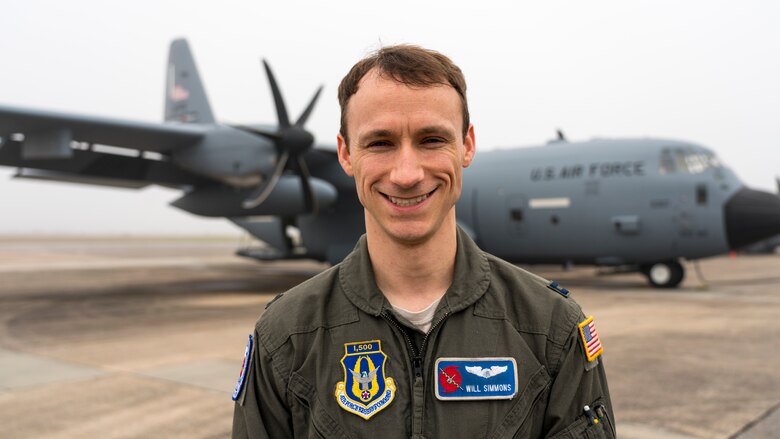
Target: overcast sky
(701,71)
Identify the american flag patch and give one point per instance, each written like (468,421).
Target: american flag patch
(590,339)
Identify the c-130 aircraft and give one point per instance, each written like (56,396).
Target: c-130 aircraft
(640,203)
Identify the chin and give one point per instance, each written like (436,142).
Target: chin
(411,234)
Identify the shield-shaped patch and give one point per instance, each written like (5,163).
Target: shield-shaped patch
(365,390)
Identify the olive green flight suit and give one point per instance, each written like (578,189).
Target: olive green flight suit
(493,309)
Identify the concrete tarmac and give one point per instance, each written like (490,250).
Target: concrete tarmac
(118,338)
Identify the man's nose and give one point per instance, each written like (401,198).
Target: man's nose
(407,167)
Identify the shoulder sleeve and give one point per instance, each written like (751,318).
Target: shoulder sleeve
(579,383)
(261,409)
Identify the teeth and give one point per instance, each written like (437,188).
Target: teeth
(403,202)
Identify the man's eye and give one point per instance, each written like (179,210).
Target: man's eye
(379,143)
(433,141)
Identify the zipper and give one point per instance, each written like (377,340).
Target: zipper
(430,331)
(417,361)
(410,345)
(425,339)
(417,367)
(417,356)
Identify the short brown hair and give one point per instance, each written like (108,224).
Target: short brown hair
(410,65)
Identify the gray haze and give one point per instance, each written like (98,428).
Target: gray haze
(702,71)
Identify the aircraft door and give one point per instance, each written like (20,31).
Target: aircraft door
(689,207)
(695,220)
(517,207)
(682,219)
(500,220)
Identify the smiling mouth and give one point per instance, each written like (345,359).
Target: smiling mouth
(406,202)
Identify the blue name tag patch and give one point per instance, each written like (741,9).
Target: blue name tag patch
(476,378)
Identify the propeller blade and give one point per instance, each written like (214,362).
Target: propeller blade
(269,134)
(305,115)
(262,192)
(308,194)
(281,110)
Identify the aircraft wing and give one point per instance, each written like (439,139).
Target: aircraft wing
(46,153)
(143,136)
(96,168)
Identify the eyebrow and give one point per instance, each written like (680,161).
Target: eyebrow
(375,133)
(434,129)
(431,129)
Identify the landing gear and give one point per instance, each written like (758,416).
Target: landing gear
(666,274)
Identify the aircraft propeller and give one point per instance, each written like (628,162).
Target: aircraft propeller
(292,141)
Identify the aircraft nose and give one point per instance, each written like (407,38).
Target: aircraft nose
(751,216)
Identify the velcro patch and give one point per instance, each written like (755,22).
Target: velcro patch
(590,339)
(366,390)
(476,378)
(244,367)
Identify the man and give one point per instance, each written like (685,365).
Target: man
(418,333)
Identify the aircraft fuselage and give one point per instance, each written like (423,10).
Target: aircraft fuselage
(604,202)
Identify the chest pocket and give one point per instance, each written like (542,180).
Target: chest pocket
(308,414)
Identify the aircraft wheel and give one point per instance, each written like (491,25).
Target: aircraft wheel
(667,274)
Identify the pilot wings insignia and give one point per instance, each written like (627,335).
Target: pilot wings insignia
(486,373)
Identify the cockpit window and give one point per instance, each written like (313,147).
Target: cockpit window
(687,160)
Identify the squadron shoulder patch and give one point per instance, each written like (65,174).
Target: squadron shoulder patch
(590,339)
(466,379)
(365,390)
(244,368)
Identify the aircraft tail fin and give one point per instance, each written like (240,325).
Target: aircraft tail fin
(185,97)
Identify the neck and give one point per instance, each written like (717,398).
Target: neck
(413,275)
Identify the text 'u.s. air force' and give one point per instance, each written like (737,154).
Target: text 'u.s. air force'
(592,170)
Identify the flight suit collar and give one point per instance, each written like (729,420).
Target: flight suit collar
(470,279)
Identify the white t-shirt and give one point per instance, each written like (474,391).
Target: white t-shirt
(420,319)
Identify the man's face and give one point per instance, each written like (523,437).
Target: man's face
(406,152)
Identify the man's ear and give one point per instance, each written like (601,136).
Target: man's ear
(344,158)
(469,146)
